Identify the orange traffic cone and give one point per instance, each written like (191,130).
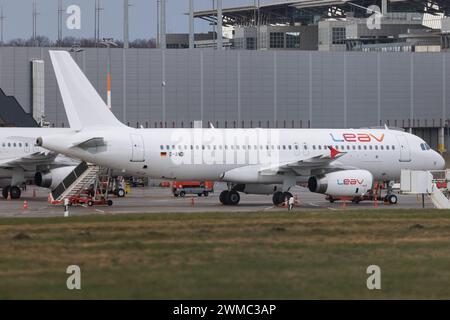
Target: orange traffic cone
(25,204)
(192,201)
(9,195)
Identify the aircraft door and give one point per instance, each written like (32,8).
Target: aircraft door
(137,148)
(405,151)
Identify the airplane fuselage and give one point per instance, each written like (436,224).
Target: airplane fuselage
(205,154)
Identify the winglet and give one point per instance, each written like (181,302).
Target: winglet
(83,104)
(333,152)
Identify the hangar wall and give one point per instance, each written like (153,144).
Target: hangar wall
(151,87)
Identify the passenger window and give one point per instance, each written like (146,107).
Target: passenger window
(354,147)
(289,147)
(370,147)
(376,147)
(393,147)
(320,147)
(387,147)
(382,147)
(359,147)
(284,147)
(162,147)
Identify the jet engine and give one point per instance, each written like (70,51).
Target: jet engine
(342,183)
(51,178)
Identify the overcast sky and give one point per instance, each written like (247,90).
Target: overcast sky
(18,22)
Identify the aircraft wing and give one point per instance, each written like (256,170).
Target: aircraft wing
(324,162)
(29,161)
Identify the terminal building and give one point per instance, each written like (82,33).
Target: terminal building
(301,64)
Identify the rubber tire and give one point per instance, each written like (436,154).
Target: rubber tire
(121,193)
(15,193)
(90,203)
(277,198)
(233,198)
(109,203)
(392,199)
(223,197)
(175,195)
(182,194)
(5,192)
(206,193)
(199,194)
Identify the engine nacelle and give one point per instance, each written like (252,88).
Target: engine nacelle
(51,178)
(344,183)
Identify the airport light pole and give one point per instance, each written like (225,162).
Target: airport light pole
(108,42)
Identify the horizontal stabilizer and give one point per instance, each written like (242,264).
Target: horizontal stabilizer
(90,143)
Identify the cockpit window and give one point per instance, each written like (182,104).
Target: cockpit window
(425,146)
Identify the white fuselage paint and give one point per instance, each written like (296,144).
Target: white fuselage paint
(16,143)
(382,152)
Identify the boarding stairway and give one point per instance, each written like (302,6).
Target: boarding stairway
(435,184)
(80,179)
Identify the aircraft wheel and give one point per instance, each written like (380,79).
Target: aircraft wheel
(5,192)
(392,199)
(223,197)
(233,198)
(121,193)
(278,198)
(15,193)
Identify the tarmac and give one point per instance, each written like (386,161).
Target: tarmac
(160,200)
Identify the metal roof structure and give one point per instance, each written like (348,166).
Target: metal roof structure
(305,11)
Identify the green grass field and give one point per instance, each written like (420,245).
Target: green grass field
(315,255)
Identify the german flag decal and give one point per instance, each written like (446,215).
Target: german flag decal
(163,154)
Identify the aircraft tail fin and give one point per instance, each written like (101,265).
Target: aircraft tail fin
(84,106)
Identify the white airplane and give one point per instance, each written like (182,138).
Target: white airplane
(338,162)
(21,160)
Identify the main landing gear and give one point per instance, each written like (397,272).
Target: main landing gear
(280,197)
(229,198)
(14,191)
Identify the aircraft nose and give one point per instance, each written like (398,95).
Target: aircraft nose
(439,161)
